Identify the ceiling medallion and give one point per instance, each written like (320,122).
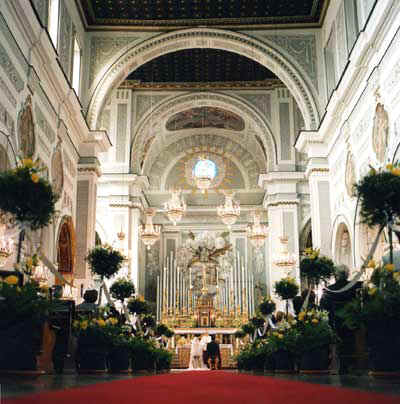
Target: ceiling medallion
(175,207)
(257,232)
(230,211)
(149,233)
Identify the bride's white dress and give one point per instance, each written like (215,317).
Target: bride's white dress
(196,355)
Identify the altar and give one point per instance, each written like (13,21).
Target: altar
(224,336)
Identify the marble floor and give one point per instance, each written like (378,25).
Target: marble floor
(12,387)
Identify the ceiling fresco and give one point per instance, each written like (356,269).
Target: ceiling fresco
(200,66)
(205,117)
(189,13)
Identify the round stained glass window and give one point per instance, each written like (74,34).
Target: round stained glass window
(205,168)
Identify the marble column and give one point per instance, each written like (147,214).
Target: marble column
(88,174)
(282,205)
(317,173)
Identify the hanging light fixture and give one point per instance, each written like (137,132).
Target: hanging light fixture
(284,259)
(257,232)
(175,207)
(230,211)
(149,233)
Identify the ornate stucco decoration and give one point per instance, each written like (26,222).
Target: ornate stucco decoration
(264,148)
(350,174)
(26,129)
(117,69)
(380,132)
(57,169)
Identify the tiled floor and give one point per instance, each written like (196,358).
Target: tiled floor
(11,387)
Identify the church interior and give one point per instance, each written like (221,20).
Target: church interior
(198,185)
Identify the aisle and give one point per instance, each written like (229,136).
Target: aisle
(216,387)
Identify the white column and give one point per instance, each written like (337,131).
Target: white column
(134,245)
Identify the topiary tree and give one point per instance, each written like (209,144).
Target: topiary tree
(122,289)
(105,261)
(286,289)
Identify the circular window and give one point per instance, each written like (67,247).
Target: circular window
(205,168)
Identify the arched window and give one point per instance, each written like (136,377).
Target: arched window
(205,168)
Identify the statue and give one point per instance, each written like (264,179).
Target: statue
(380,132)
(26,133)
(57,170)
(344,253)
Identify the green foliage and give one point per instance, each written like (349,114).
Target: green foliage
(314,331)
(379,195)
(138,306)
(143,354)
(105,261)
(240,334)
(254,356)
(248,328)
(20,303)
(122,289)
(163,358)
(283,339)
(267,307)
(286,288)
(149,321)
(28,200)
(376,305)
(316,268)
(257,322)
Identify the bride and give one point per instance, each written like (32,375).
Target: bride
(196,355)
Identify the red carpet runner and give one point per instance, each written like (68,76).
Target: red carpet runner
(206,388)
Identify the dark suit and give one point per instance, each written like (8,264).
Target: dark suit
(213,355)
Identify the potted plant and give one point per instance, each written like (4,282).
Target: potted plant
(94,340)
(286,289)
(376,309)
(314,338)
(119,352)
(316,268)
(23,312)
(283,345)
(143,355)
(26,195)
(163,359)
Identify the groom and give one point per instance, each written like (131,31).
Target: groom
(213,354)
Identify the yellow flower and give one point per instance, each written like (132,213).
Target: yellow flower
(389,267)
(75,324)
(389,167)
(101,322)
(396,276)
(27,163)
(84,324)
(280,336)
(11,280)
(301,315)
(371,264)
(113,321)
(396,171)
(35,178)
(315,321)
(372,291)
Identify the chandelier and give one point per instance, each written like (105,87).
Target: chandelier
(149,233)
(257,232)
(284,259)
(175,207)
(230,211)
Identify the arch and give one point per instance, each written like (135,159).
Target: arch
(182,102)
(118,69)
(240,157)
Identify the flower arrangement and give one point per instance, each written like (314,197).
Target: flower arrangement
(162,329)
(267,307)
(284,337)
(122,289)
(379,193)
(286,288)
(316,268)
(105,261)
(314,331)
(26,195)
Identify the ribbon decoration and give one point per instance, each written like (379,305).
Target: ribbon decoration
(362,269)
